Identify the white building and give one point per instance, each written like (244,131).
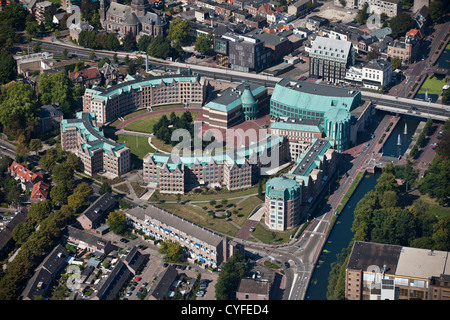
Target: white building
(377,73)
(373,74)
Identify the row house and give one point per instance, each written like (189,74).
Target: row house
(203,246)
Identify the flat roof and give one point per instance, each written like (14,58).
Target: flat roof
(308,160)
(422,263)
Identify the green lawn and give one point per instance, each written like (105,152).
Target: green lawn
(146,124)
(138,145)
(432,85)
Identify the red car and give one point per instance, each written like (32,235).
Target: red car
(138,279)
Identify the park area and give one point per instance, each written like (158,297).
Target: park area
(433,85)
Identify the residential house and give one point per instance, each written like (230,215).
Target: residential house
(163,284)
(123,272)
(110,73)
(50,118)
(41,8)
(88,77)
(41,282)
(24,176)
(40,191)
(92,217)
(300,7)
(88,241)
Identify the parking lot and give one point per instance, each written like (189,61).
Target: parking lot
(155,268)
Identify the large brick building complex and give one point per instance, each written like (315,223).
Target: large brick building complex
(96,153)
(138,92)
(233,169)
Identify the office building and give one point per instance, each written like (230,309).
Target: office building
(390,272)
(341,112)
(330,58)
(96,153)
(234,105)
(289,198)
(138,92)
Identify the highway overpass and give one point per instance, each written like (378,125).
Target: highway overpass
(382,102)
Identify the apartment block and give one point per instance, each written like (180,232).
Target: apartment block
(203,245)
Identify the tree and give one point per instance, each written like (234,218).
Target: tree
(180,30)
(73,161)
(92,55)
(39,211)
(129,42)
(230,275)
(63,174)
(362,15)
(436,11)
(76,201)
(117,222)
(35,145)
(22,232)
(400,24)
(55,88)
(159,48)
(144,42)
(113,43)
(8,69)
(65,52)
(48,160)
(396,63)
(59,194)
(18,105)
(203,44)
(172,250)
(105,187)
(102,61)
(84,189)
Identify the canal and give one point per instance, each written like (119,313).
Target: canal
(341,234)
(339,238)
(401,137)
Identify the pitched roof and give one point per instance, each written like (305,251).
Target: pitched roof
(40,190)
(22,171)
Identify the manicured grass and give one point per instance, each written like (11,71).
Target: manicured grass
(263,234)
(432,85)
(211,195)
(146,124)
(434,208)
(200,217)
(138,145)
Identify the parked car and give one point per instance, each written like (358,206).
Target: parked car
(200,293)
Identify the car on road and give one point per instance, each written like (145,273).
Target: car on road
(287,265)
(252,229)
(129,293)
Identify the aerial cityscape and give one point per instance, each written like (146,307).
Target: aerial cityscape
(231,150)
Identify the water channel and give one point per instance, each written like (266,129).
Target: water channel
(341,234)
(401,137)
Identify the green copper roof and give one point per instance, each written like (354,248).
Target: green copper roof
(296,126)
(232,98)
(314,97)
(92,134)
(247,97)
(282,188)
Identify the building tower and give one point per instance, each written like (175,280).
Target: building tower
(249,104)
(138,7)
(102,12)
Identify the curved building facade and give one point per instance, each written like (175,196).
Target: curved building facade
(331,106)
(138,92)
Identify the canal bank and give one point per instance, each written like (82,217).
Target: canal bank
(340,235)
(338,239)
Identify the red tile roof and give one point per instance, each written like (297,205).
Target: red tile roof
(90,73)
(22,171)
(40,191)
